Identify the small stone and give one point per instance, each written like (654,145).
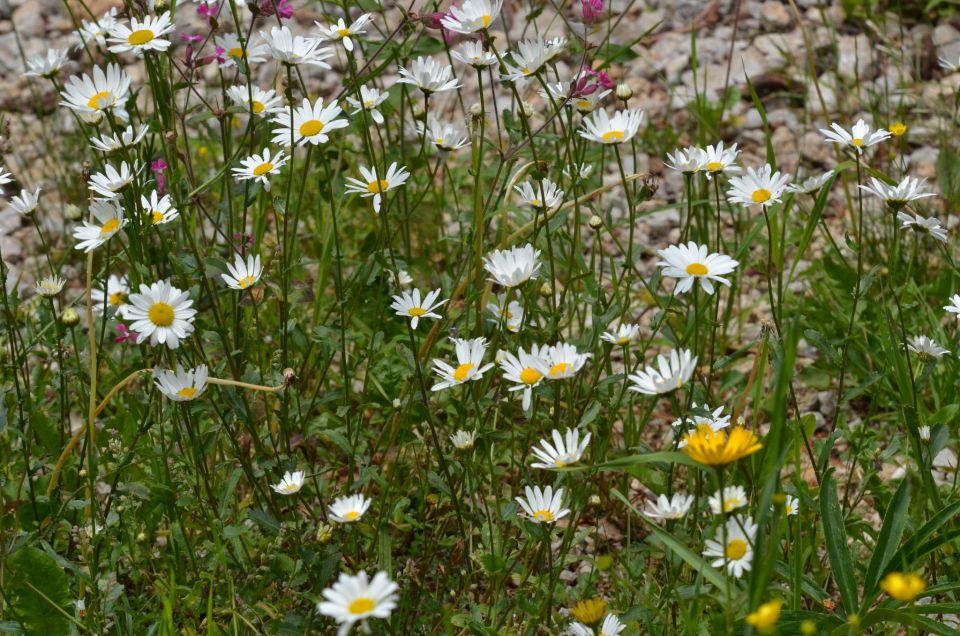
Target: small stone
(775,14)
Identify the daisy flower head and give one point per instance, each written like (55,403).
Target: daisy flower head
(728,500)
(160,313)
(732,546)
(256,100)
(26,202)
(108,221)
(713,421)
(621,334)
(370,100)
(146,34)
(811,185)
(409,305)
(923,225)
(514,266)
(676,507)
(463,440)
(586,104)
(543,506)
(859,138)
(529,57)
(373,186)
(291,483)
(511,314)
(310,123)
(444,136)
(111,181)
(234,49)
(259,168)
(127,138)
(718,448)
(159,209)
(340,32)
(762,187)
(791,506)
(349,509)
(576,171)
(243,273)
(717,159)
(91,96)
(566,449)
(469,364)
(112,297)
(5,178)
(611,626)
(97,31)
(429,75)
(473,54)
(293,50)
(603,129)
(50,286)
(944,469)
(48,64)
(565,361)
(671,373)
(691,263)
(181,385)
(954,305)
(910,189)
(471,16)
(525,371)
(948,64)
(926,349)
(543,195)
(689,160)
(354,598)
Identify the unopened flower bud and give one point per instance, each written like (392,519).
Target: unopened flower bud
(595,222)
(70,317)
(527,109)
(624,92)
(476,110)
(546,290)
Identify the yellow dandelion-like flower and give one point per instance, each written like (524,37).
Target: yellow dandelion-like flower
(898,129)
(903,587)
(716,449)
(589,610)
(765,616)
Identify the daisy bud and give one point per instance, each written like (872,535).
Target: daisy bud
(624,92)
(396,403)
(476,110)
(82,473)
(324,533)
(74,213)
(141,537)
(595,500)
(70,317)
(595,222)
(925,433)
(527,109)
(546,290)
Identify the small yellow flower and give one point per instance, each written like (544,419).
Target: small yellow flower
(713,448)
(903,587)
(897,129)
(765,616)
(808,628)
(589,611)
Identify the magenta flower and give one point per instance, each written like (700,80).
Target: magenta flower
(601,78)
(592,10)
(125,335)
(284,8)
(208,11)
(158,167)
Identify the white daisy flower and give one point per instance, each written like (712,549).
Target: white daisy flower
(356,598)
(733,497)
(26,203)
(676,507)
(689,160)
(954,306)
(469,364)
(718,159)
(463,440)
(925,348)
(145,34)
(290,484)
(160,313)
(923,225)
(372,186)
(341,32)
(128,138)
(294,50)
(578,171)
(5,178)
(90,96)
(565,361)
(429,75)
(46,65)
(859,137)
(567,449)
(113,297)
(408,305)
(714,421)
(621,334)
(514,266)
(949,65)
(243,273)
(908,190)
(471,16)
(944,469)
(234,49)
(256,100)
(672,373)
(526,371)
(611,626)
(50,286)
(402,277)
(543,506)
(811,185)
(733,545)
(349,509)
(620,128)
(527,60)
(109,218)
(260,167)
(444,136)
(311,123)
(791,507)
(181,385)
(511,315)
(545,195)
(96,32)
(691,262)
(159,209)
(111,181)
(472,52)
(370,100)
(763,187)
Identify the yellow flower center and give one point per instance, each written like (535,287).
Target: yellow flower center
(760,196)
(857,141)
(559,369)
(352,515)
(416,311)
(262,169)
(245,282)
(461,372)
(311,127)
(731,504)
(736,549)
(110,226)
(530,376)
(361,605)
(485,19)
(713,166)
(535,201)
(100,100)
(559,464)
(161,314)
(542,515)
(584,104)
(257,107)
(613,134)
(343,32)
(697,269)
(141,37)
(116,298)
(157,216)
(187,392)
(376,187)
(622,340)
(236,52)
(525,70)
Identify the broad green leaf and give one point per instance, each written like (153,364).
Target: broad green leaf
(835,537)
(38,592)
